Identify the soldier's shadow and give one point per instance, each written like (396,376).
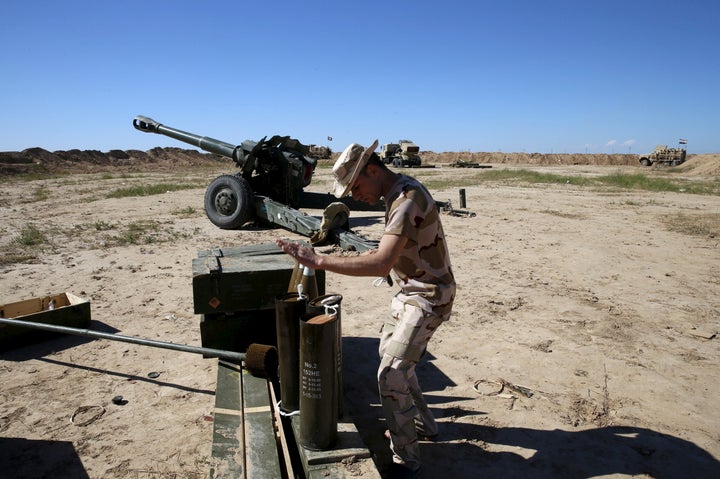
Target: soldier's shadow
(361,398)
(560,454)
(462,450)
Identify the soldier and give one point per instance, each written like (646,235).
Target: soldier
(414,252)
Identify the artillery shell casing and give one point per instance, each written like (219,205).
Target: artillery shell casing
(318,372)
(318,306)
(295,277)
(289,308)
(309,283)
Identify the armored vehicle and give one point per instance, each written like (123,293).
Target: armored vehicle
(320,152)
(662,155)
(388,151)
(278,168)
(404,153)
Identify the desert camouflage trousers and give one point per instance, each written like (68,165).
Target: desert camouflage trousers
(404,339)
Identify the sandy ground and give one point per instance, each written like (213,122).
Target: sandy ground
(603,304)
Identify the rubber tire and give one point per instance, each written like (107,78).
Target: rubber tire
(228,202)
(645,162)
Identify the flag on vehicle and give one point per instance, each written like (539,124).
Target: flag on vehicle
(682,141)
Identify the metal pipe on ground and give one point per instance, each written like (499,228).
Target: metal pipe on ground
(260,360)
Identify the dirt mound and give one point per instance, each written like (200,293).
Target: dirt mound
(515,158)
(165,159)
(34,160)
(702,165)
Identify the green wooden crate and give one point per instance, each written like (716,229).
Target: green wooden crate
(245,278)
(237,331)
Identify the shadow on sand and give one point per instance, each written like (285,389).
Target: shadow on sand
(37,459)
(556,454)
(49,345)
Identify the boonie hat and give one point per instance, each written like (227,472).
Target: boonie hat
(348,166)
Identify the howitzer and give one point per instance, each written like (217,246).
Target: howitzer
(278,168)
(267,188)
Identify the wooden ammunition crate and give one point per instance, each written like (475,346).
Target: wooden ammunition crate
(237,331)
(64,309)
(234,291)
(244,278)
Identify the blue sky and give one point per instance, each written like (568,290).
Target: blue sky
(549,77)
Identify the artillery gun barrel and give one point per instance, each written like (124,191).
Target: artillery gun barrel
(148,125)
(260,359)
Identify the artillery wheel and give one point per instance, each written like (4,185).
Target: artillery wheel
(228,202)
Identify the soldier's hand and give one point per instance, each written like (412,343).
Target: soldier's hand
(304,255)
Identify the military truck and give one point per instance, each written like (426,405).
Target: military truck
(388,151)
(662,155)
(404,153)
(320,152)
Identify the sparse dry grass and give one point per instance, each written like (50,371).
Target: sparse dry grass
(32,240)
(702,224)
(530,177)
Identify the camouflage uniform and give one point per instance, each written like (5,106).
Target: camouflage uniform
(427,290)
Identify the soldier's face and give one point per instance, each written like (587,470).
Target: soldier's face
(366,188)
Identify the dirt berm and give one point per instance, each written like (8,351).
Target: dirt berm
(38,160)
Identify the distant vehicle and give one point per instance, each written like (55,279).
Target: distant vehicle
(662,155)
(388,151)
(404,153)
(320,152)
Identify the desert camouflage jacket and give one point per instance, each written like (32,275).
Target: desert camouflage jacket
(423,271)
